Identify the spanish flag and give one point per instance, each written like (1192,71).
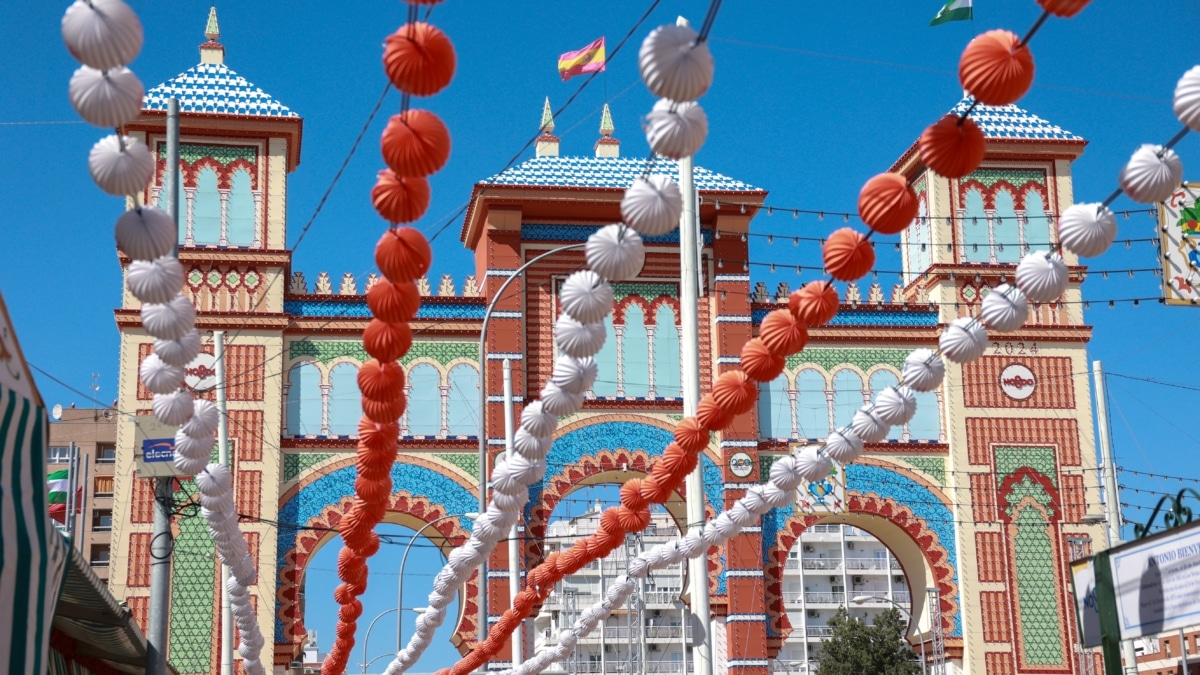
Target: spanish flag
(590,59)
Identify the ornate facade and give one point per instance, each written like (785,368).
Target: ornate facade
(975,498)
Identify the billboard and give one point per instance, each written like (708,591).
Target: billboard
(1087,609)
(1179,246)
(1156,582)
(154,448)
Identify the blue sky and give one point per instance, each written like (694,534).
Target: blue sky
(809,100)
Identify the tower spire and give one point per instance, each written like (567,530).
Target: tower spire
(547,143)
(211,30)
(212,51)
(547,126)
(606,145)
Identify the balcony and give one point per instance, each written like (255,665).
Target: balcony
(815,598)
(651,632)
(620,664)
(866,564)
(819,631)
(820,564)
(902,598)
(794,667)
(663,598)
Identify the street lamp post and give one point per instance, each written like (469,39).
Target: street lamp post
(400,584)
(860,599)
(367,639)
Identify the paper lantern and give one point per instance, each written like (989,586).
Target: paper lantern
(155,280)
(145,233)
(814,304)
(675,64)
(631,494)
(102,34)
(173,409)
(525,469)
(387,342)
(633,520)
(586,296)
(994,69)
(1042,276)
(690,435)
(741,515)
(415,143)
(652,205)
(169,320)
(403,254)
(533,447)
(843,446)
(511,502)
(204,420)
(381,381)
(887,204)
(419,59)
(710,414)
(578,339)
(1087,229)
(923,370)
(867,425)
(366,464)
(676,129)
(616,252)
(776,497)
(181,351)
(194,448)
(896,405)
(785,474)
(1150,178)
(372,490)
(953,146)
(107,99)
(782,333)
(609,521)
(676,461)
(400,199)
(574,375)
(963,341)
(393,302)
(1063,9)
(159,376)
(848,255)
(1004,309)
(736,392)
(536,421)
(759,363)
(559,402)
(654,492)
(386,411)
(122,167)
(190,466)
(1187,99)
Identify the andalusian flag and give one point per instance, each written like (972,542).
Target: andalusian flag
(954,10)
(590,59)
(58,484)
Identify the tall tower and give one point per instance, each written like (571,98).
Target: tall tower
(238,145)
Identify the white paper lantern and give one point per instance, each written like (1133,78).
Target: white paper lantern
(777,497)
(169,320)
(652,206)
(534,447)
(742,516)
(528,471)
(843,446)
(676,129)
(537,421)
(725,527)
(1187,99)
(1004,309)
(155,280)
(205,420)
(786,474)
(486,530)
(867,425)
(511,502)
(675,64)
(174,408)
(923,370)
(102,34)
(160,377)
(586,296)
(146,233)
(577,339)
(1042,276)
(813,464)
(194,448)
(896,405)
(106,98)
(215,481)
(574,375)
(963,341)
(1151,179)
(616,252)
(121,167)
(693,545)
(1087,229)
(559,402)
(190,465)
(505,480)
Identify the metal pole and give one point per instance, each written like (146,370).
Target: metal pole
(164,489)
(367,639)
(924,663)
(400,583)
(1112,494)
(82,491)
(514,567)
(223,459)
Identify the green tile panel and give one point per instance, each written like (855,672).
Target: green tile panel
(1009,460)
(193,584)
(296,463)
(864,359)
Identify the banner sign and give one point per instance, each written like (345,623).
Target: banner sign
(1157,582)
(1179,228)
(158,450)
(1083,581)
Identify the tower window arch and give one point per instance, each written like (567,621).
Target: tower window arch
(240,212)
(424,412)
(345,403)
(304,400)
(462,402)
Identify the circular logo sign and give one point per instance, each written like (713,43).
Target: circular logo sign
(1017,382)
(741,465)
(201,373)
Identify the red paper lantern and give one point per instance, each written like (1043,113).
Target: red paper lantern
(814,304)
(381,381)
(524,602)
(848,255)
(759,363)
(403,254)
(372,512)
(394,302)
(633,520)
(690,436)
(350,565)
(415,143)
(782,333)
(419,59)
(711,415)
(672,462)
(994,69)
(341,594)
(735,391)
(368,467)
(887,203)
(1063,9)
(631,494)
(387,341)
(373,490)
(369,547)
(345,631)
(655,491)
(385,411)
(350,613)
(953,146)
(376,436)
(400,199)
(574,559)
(608,520)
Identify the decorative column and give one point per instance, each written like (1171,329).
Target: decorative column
(991,225)
(620,332)
(286,388)
(189,193)
(224,239)
(1022,221)
(650,328)
(829,410)
(259,235)
(445,398)
(325,389)
(793,395)
(941,427)
(404,431)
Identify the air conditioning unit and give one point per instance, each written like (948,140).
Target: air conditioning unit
(653,648)
(850,546)
(899,578)
(858,580)
(814,614)
(809,548)
(657,613)
(833,579)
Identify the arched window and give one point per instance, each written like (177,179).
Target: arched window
(976,240)
(462,408)
(345,403)
(666,353)
(775,410)
(926,423)
(1006,229)
(304,400)
(240,210)
(424,401)
(636,353)
(880,380)
(847,397)
(919,251)
(812,408)
(1037,230)
(206,211)
(606,362)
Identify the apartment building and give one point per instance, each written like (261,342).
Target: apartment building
(92,434)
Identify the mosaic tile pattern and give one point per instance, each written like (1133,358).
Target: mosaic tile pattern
(326,351)
(864,359)
(467,461)
(1037,583)
(1016,177)
(868,317)
(1013,123)
(357,309)
(223,154)
(193,583)
(215,88)
(296,463)
(934,466)
(1009,460)
(606,172)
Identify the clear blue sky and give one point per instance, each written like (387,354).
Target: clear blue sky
(810,99)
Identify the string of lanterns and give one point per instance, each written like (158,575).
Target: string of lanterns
(419,60)
(105,35)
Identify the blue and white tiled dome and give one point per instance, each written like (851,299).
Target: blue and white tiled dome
(215,88)
(605,172)
(1009,122)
